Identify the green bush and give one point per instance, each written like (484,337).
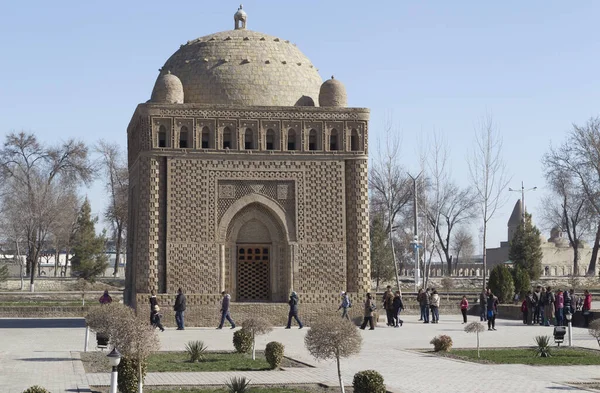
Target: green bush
(368,381)
(127,379)
(238,385)
(195,350)
(521,281)
(36,389)
(441,343)
(501,283)
(242,341)
(274,354)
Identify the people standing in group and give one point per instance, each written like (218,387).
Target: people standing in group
(492,307)
(369,308)
(530,307)
(153,302)
(345,305)
(435,307)
(388,305)
(105,298)
(155,318)
(398,307)
(586,307)
(549,305)
(483,306)
(536,304)
(179,308)
(225,301)
(464,306)
(293,302)
(560,305)
(420,295)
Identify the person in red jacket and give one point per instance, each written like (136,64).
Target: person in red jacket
(524,310)
(587,306)
(464,306)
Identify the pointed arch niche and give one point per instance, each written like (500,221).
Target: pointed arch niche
(256,252)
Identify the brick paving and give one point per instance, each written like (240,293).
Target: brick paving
(48,357)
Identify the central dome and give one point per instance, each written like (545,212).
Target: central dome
(244,67)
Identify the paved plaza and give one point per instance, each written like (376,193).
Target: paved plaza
(45,352)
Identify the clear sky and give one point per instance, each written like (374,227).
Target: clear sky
(78,69)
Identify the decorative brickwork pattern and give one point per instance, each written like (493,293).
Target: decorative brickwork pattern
(321,267)
(357,226)
(193,267)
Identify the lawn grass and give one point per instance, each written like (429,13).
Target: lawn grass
(178,361)
(560,356)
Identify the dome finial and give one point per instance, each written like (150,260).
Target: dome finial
(240,19)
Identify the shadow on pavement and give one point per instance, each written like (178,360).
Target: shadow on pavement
(42,323)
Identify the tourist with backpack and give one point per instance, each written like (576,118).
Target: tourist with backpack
(345,305)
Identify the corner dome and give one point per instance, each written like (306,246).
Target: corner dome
(167,89)
(333,93)
(244,67)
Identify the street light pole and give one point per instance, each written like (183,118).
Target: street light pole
(416,231)
(570,327)
(114,358)
(523,199)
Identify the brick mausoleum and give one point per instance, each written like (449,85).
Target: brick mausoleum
(247,174)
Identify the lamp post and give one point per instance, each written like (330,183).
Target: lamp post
(569,317)
(114,358)
(522,190)
(416,231)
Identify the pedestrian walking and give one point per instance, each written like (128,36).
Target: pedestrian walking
(586,307)
(435,307)
(156,317)
(398,307)
(153,302)
(345,305)
(225,310)
(464,306)
(293,302)
(483,306)
(179,308)
(369,308)
(105,298)
(492,307)
(388,305)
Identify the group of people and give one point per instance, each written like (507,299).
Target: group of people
(392,304)
(180,306)
(429,301)
(545,307)
(488,308)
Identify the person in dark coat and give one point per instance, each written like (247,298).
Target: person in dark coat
(225,311)
(155,316)
(482,306)
(388,305)
(398,306)
(105,298)
(369,308)
(153,302)
(293,302)
(179,308)
(492,307)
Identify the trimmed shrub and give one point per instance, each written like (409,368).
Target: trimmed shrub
(368,381)
(36,389)
(441,343)
(195,350)
(274,354)
(242,341)
(238,385)
(127,380)
(501,283)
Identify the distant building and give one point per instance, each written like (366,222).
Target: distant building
(557,253)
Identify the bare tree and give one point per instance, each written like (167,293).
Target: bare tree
(11,229)
(63,230)
(462,244)
(333,339)
(488,177)
(117,185)
(36,180)
(388,182)
(579,157)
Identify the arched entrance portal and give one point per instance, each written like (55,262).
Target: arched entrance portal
(258,263)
